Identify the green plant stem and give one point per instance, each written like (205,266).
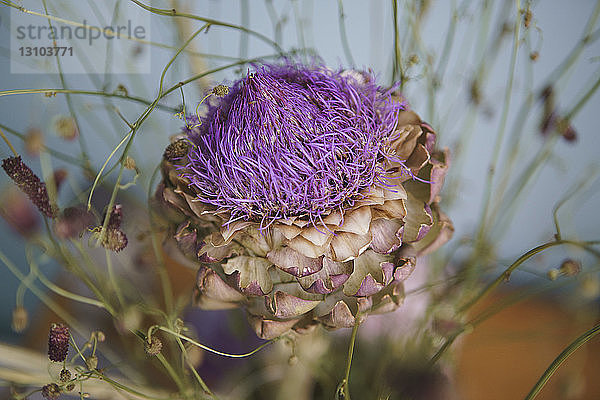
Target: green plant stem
(501,130)
(344,386)
(9,143)
(562,357)
(210,350)
(174,13)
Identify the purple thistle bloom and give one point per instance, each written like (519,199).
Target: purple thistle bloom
(291,140)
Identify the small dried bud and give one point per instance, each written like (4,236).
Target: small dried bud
(129,163)
(65,375)
(92,362)
(293,360)
(19,319)
(51,391)
(176,150)
(121,89)
(58,342)
(29,183)
(534,55)
(570,267)
(100,336)
(73,222)
(553,274)
(34,141)
(220,90)
(153,346)
(66,128)
(115,240)
(70,387)
(527,18)
(116,217)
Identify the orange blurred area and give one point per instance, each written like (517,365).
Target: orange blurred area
(504,356)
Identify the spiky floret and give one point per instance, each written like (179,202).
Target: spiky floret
(291,140)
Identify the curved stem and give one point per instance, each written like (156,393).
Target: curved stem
(566,353)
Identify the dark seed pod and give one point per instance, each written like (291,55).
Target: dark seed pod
(58,342)
(51,391)
(29,183)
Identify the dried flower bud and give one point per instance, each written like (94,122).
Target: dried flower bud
(70,387)
(16,209)
(129,163)
(115,240)
(293,360)
(66,128)
(220,90)
(527,18)
(534,55)
(177,150)
(65,375)
(19,319)
(100,336)
(34,141)
(72,222)
(29,183)
(553,274)
(116,217)
(58,342)
(51,391)
(570,267)
(92,362)
(153,346)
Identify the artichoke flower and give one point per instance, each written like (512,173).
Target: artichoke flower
(305,195)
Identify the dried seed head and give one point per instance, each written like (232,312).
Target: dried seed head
(527,18)
(553,274)
(92,362)
(116,217)
(29,183)
(129,163)
(220,90)
(534,55)
(100,336)
(153,346)
(19,319)
(115,240)
(34,141)
(51,391)
(58,342)
(177,150)
(570,267)
(66,128)
(65,375)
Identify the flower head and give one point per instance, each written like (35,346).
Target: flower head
(58,342)
(291,140)
(306,195)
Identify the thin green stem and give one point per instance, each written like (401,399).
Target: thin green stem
(562,357)
(9,143)
(343,388)
(174,13)
(501,128)
(210,350)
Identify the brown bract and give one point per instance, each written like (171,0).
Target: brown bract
(300,273)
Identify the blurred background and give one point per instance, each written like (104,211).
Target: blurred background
(510,87)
